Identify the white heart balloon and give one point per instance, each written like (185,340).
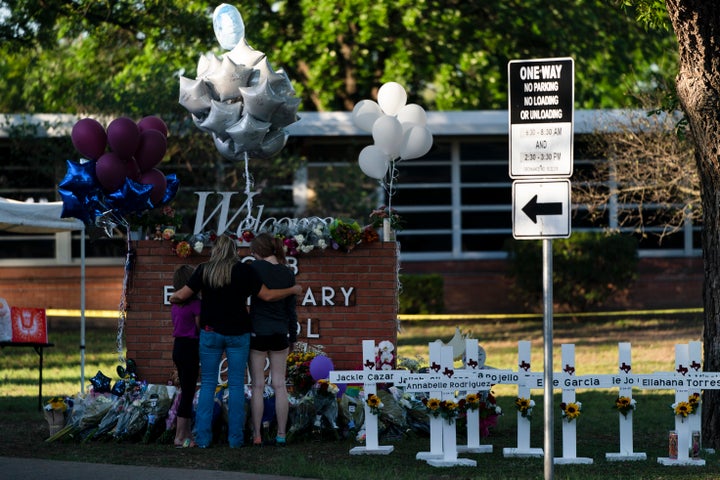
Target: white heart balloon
(391,97)
(388,135)
(364,114)
(416,142)
(373,162)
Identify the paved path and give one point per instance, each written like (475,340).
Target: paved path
(39,469)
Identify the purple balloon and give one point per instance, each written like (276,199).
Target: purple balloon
(153,123)
(110,171)
(123,136)
(132,170)
(158,181)
(150,150)
(320,367)
(89,138)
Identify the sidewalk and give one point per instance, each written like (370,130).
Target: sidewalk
(38,469)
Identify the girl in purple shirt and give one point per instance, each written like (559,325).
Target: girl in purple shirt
(186,322)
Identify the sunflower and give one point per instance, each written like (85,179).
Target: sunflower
(624,405)
(433,404)
(683,409)
(571,410)
(472,401)
(374,403)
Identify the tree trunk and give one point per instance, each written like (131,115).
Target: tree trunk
(696,24)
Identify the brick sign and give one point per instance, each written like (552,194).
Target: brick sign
(348,297)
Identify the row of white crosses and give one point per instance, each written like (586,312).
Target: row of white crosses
(443,381)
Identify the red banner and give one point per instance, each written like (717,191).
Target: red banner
(28,325)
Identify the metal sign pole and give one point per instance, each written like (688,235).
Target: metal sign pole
(548,352)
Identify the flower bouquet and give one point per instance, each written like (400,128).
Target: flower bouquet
(525,407)
(326,404)
(346,234)
(624,405)
(55,412)
(298,368)
(489,413)
(683,409)
(570,410)
(446,409)
(88,410)
(374,403)
(384,355)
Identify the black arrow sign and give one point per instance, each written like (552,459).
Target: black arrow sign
(533,209)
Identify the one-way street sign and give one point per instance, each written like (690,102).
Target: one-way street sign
(541,209)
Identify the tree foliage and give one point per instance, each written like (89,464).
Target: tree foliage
(121,56)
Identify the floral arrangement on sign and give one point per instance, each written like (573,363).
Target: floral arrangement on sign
(159,223)
(570,410)
(624,405)
(525,407)
(378,215)
(446,409)
(299,236)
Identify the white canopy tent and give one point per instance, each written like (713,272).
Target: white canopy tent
(44,218)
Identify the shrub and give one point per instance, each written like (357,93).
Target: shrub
(588,268)
(421,294)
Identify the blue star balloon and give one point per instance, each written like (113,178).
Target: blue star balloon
(172,188)
(100,382)
(132,197)
(119,388)
(73,207)
(80,178)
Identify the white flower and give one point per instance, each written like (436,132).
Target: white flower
(532,403)
(300,239)
(386,346)
(386,357)
(306,248)
(322,244)
(498,410)
(198,247)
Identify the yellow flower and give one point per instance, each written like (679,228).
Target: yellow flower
(433,404)
(374,403)
(56,403)
(522,403)
(571,410)
(472,400)
(683,409)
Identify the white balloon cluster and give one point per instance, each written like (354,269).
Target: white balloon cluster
(398,129)
(239,98)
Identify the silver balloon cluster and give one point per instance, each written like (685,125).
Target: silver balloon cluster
(239,98)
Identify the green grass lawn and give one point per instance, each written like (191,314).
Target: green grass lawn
(24,429)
